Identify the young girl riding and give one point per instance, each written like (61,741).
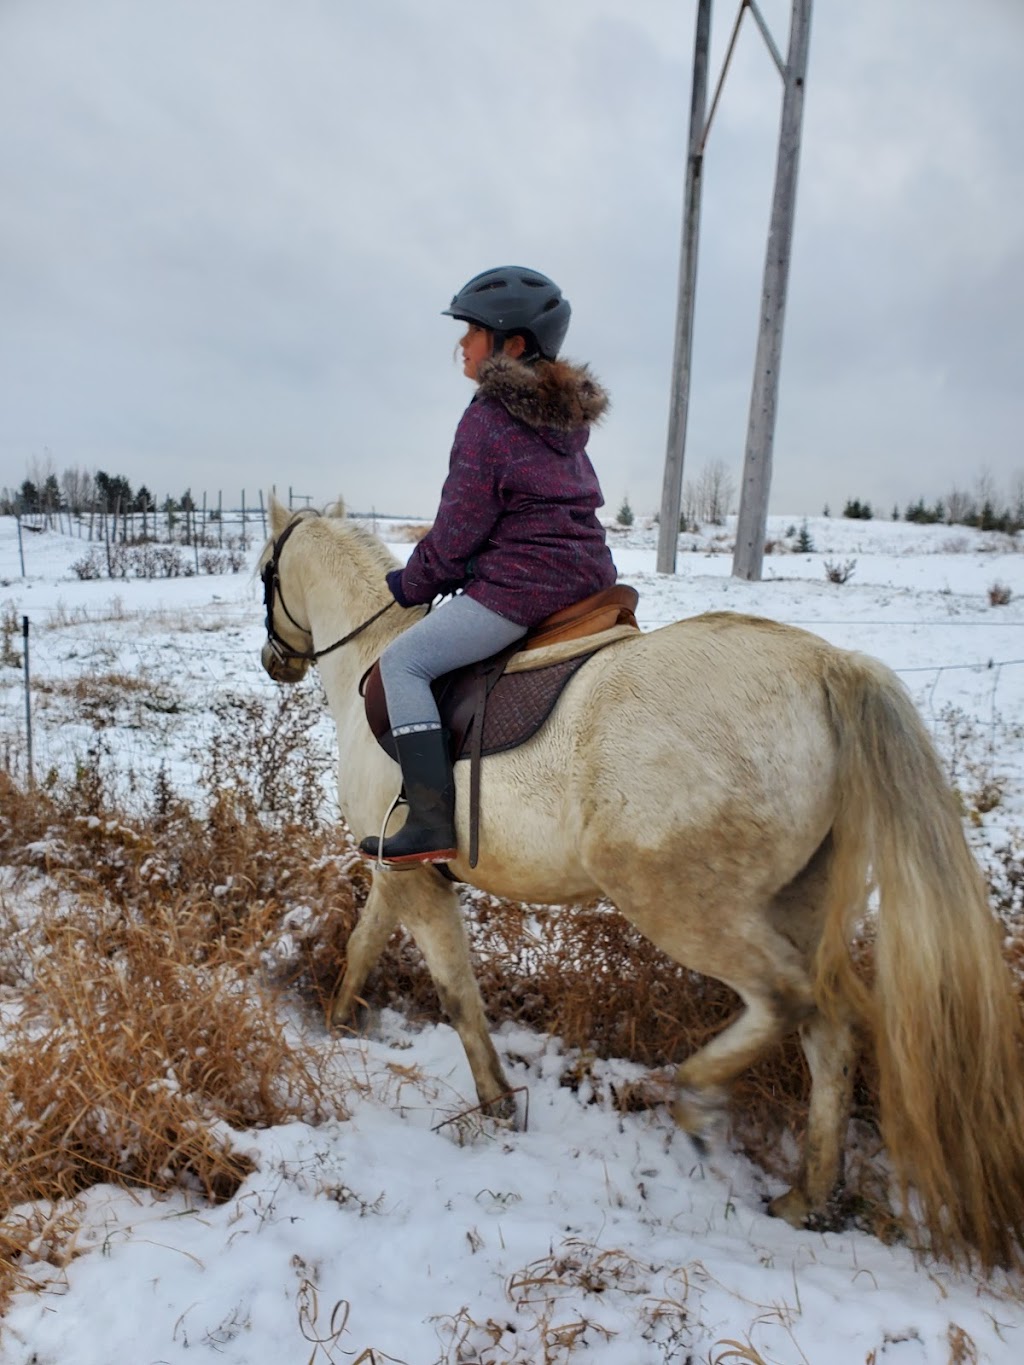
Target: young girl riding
(516,536)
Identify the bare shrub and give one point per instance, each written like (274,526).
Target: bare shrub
(212,561)
(10,628)
(839,573)
(998,594)
(104,699)
(90,566)
(266,753)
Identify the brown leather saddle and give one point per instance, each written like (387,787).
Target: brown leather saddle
(488,711)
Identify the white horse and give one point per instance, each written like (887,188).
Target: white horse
(737,789)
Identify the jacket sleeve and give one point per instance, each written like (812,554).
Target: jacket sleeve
(471,505)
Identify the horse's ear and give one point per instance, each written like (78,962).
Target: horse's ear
(279,515)
(337,509)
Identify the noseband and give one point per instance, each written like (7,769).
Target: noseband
(272,590)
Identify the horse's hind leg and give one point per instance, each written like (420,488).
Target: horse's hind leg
(774,1005)
(729,936)
(830,1051)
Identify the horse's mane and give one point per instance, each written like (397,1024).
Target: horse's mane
(337,533)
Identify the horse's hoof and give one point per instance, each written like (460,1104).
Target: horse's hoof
(700,1145)
(504,1110)
(360,1019)
(699,1113)
(792,1207)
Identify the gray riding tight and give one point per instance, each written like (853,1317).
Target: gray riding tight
(459,632)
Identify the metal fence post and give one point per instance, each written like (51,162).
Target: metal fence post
(28,700)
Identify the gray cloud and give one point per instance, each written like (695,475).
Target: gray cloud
(227,232)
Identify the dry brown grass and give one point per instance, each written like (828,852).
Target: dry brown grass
(141,1034)
(408,532)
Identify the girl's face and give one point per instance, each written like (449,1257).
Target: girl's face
(476,347)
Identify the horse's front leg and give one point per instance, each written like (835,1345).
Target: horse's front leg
(367,941)
(430,912)
(429,908)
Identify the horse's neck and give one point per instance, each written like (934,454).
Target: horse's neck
(335,611)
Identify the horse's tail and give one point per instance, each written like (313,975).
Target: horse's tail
(946,1021)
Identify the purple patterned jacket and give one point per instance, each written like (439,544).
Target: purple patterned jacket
(517,526)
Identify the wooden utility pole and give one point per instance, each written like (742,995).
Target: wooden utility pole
(672,486)
(757,467)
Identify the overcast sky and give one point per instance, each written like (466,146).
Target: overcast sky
(228,229)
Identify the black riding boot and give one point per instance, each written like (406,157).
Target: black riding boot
(428,835)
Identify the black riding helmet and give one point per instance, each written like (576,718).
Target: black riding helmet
(512,299)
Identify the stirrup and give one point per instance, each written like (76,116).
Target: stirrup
(385,864)
(381,864)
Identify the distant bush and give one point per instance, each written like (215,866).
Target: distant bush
(88,567)
(839,573)
(999,594)
(625,515)
(147,559)
(855,510)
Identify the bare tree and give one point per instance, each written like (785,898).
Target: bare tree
(41,470)
(1017,497)
(985,490)
(689,513)
(961,507)
(715,492)
(79,490)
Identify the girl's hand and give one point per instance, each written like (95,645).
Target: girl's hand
(394,582)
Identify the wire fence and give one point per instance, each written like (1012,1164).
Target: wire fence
(150,680)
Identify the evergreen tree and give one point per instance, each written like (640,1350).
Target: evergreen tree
(51,498)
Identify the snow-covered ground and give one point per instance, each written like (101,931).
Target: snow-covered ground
(593,1235)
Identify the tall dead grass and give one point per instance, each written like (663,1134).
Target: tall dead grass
(142,1032)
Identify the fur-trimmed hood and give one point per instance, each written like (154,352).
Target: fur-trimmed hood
(552,396)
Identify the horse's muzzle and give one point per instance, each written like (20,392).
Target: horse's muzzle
(282,669)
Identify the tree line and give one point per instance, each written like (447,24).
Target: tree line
(78,491)
(983,506)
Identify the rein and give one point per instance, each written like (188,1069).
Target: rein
(272,587)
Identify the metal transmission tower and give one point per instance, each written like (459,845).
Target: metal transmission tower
(761,428)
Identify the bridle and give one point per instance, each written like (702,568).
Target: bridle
(284,652)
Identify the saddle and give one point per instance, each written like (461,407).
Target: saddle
(488,710)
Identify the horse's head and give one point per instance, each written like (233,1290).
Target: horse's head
(288,650)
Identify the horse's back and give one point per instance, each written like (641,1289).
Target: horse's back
(708,734)
(707,674)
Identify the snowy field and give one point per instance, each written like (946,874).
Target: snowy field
(593,1235)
